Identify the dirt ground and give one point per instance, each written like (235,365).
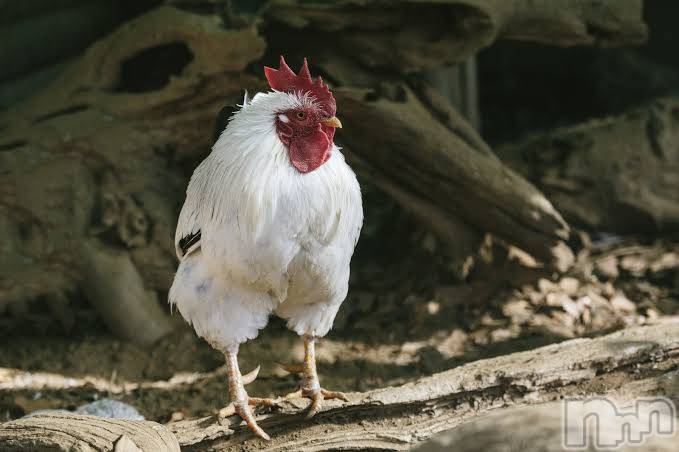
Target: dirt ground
(404,318)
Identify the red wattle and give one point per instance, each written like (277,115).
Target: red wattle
(309,152)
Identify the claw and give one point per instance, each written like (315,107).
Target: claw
(245,413)
(250,377)
(292,368)
(243,410)
(315,405)
(317,397)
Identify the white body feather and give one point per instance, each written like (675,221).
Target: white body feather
(273,240)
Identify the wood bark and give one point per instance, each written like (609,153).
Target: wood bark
(538,428)
(616,174)
(629,363)
(407,36)
(93,165)
(62,431)
(102,155)
(394,418)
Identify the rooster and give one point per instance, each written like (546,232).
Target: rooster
(269,225)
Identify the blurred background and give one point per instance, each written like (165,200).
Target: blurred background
(519,162)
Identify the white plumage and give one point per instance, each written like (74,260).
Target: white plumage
(272,239)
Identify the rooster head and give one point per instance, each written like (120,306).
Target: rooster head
(308,129)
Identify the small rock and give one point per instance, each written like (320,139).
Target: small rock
(112,409)
(608,289)
(569,285)
(433,307)
(636,265)
(546,285)
(536,298)
(667,261)
(608,267)
(519,311)
(558,299)
(177,416)
(500,335)
(454,345)
(621,303)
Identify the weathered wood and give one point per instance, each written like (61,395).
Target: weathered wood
(636,361)
(96,159)
(614,174)
(68,432)
(408,36)
(539,428)
(406,149)
(630,363)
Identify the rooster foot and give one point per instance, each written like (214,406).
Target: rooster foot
(310,386)
(241,403)
(242,409)
(316,396)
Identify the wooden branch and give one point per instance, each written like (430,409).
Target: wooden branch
(444,170)
(626,364)
(537,428)
(116,290)
(396,417)
(614,174)
(61,431)
(408,36)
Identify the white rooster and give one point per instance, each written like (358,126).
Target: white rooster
(269,225)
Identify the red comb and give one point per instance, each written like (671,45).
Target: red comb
(283,79)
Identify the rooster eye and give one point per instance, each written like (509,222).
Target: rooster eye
(301,115)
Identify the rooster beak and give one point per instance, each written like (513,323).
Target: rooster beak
(332,122)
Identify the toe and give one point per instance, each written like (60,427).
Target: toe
(334,395)
(256,401)
(225,412)
(315,405)
(246,414)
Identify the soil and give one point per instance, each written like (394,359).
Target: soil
(404,318)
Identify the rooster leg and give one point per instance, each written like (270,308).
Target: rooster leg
(310,386)
(240,401)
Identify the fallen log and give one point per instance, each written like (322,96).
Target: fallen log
(626,364)
(614,174)
(540,428)
(62,431)
(396,417)
(408,36)
(424,163)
